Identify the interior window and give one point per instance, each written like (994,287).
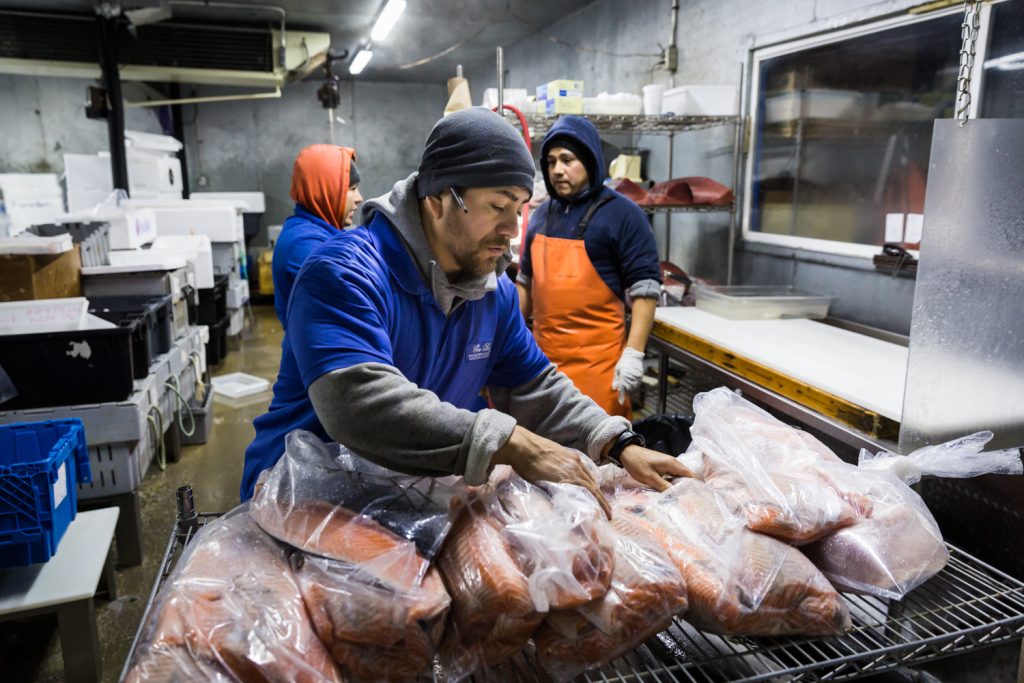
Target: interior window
(843,131)
(1003,84)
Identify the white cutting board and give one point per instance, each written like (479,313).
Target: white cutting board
(865,371)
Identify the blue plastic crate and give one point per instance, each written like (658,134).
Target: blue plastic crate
(41,464)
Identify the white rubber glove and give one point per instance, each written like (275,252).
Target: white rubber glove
(628,372)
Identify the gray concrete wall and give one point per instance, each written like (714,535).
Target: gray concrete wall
(41,119)
(251,145)
(714,39)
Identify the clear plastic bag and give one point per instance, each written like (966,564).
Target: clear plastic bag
(770,472)
(230,611)
(958,459)
(321,498)
(646,592)
(559,538)
(738,582)
(888,554)
(493,615)
(374,631)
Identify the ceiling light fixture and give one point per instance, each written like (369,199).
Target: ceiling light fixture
(387,19)
(360,61)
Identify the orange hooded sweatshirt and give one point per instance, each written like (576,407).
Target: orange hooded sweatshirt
(320,181)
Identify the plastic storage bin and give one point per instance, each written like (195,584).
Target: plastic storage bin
(213,304)
(755,302)
(149,319)
(40,464)
(68,368)
(217,347)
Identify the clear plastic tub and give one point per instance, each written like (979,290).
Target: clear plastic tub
(757,302)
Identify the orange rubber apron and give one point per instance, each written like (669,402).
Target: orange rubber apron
(578,322)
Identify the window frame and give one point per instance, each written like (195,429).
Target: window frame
(788,46)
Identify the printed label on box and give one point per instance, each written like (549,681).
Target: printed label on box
(60,487)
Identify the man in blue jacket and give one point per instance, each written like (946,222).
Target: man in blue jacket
(395,328)
(587,250)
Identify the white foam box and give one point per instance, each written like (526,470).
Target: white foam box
(220,221)
(238,295)
(236,322)
(700,100)
(254,202)
(196,249)
(815,103)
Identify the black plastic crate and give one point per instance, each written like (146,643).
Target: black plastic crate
(149,318)
(68,368)
(217,347)
(213,302)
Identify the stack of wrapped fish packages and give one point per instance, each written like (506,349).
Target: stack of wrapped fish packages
(341,570)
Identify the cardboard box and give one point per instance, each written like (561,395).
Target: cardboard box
(53,276)
(563,105)
(560,88)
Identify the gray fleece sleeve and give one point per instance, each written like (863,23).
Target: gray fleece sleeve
(645,289)
(380,415)
(552,406)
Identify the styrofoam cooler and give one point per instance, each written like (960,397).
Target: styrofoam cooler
(220,221)
(238,294)
(236,321)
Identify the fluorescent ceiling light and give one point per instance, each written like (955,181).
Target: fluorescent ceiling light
(360,61)
(387,19)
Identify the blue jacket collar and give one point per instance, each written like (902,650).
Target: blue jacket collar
(306,215)
(398,259)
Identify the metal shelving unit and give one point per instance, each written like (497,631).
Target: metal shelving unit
(540,124)
(631,124)
(967,606)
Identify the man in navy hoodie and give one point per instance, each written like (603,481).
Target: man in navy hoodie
(588,251)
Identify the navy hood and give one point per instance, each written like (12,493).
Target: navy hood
(585,137)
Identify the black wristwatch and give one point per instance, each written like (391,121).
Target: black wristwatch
(626,438)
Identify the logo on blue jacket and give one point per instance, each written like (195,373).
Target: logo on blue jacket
(478,351)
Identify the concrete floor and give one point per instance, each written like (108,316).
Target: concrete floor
(30,649)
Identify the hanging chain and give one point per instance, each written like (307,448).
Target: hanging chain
(968,37)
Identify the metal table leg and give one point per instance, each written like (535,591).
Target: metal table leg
(1020,664)
(79,643)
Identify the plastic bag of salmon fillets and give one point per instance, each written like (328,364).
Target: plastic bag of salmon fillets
(738,582)
(559,538)
(646,591)
(895,550)
(231,611)
(769,472)
(492,614)
(323,499)
(375,631)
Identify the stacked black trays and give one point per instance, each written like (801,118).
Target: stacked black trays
(148,319)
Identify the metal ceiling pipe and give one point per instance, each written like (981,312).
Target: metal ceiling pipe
(501,81)
(107,53)
(237,5)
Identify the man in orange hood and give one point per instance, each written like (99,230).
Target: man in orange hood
(325,188)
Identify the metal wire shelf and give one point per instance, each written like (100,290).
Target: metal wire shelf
(607,123)
(696,208)
(968,605)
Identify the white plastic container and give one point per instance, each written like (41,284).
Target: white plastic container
(653,96)
(617,104)
(43,315)
(238,385)
(238,295)
(756,302)
(815,104)
(167,252)
(700,100)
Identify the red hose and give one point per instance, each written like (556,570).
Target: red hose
(526,136)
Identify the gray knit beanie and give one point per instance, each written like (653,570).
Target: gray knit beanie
(474,147)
